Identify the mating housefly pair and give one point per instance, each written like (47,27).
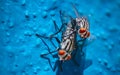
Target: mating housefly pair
(68,43)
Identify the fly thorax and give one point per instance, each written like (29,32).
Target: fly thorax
(82,22)
(65,44)
(79,21)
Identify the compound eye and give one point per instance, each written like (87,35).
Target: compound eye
(82,30)
(68,57)
(61,52)
(88,34)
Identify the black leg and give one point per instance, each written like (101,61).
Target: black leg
(60,65)
(53,68)
(52,35)
(39,36)
(48,46)
(61,17)
(56,26)
(44,56)
(50,38)
(53,43)
(45,45)
(56,65)
(57,40)
(48,61)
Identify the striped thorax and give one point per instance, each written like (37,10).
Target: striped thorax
(67,44)
(84,27)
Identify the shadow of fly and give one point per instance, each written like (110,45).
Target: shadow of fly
(68,43)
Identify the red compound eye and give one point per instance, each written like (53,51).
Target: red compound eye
(61,52)
(68,57)
(88,34)
(82,30)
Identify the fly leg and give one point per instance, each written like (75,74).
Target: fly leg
(40,36)
(44,56)
(47,45)
(57,62)
(60,65)
(58,30)
(53,35)
(56,26)
(49,52)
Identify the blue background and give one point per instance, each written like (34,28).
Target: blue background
(20,49)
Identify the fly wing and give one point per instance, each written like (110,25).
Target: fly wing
(87,23)
(76,11)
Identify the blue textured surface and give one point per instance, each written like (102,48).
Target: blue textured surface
(20,49)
